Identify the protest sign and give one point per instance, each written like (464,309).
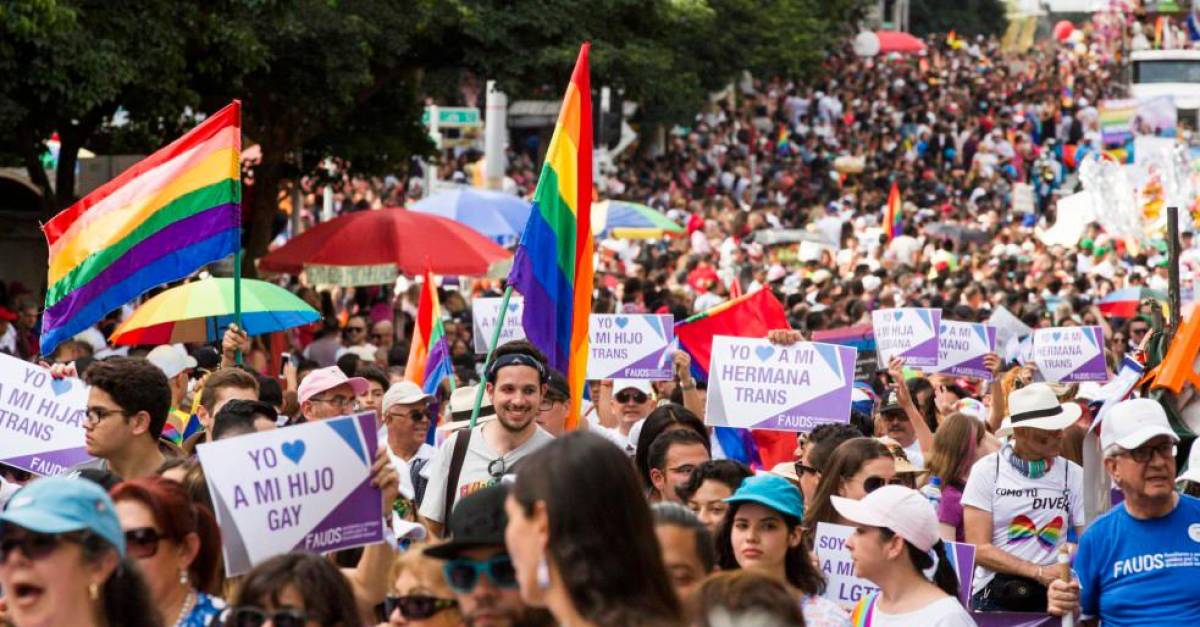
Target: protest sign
(41,418)
(304,487)
(1007,326)
(630,346)
(962,347)
(755,384)
(1070,354)
(485,311)
(844,587)
(909,333)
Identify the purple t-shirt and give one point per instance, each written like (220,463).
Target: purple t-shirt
(950,510)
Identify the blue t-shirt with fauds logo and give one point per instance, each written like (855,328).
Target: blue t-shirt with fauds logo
(1142,572)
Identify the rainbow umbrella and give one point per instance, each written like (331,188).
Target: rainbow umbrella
(1123,303)
(630,220)
(200,311)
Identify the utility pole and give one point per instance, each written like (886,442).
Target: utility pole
(495,134)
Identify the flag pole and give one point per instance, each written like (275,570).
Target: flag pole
(237,253)
(487,362)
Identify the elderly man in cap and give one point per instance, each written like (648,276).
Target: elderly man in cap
(478,567)
(329,393)
(406,417)
(1139,563)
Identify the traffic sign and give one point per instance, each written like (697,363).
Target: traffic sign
(454,117)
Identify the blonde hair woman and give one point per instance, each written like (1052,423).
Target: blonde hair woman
(420,595)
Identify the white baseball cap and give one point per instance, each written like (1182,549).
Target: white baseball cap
(1131,423)
(403,393)
(640,385)
(172,359)
(901,509)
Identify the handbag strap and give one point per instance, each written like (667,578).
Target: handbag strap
(456,464)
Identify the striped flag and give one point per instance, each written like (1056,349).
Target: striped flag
(893,222)
(429,354)
(159,221)
(552,267)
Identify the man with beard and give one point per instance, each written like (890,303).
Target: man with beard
(473,459)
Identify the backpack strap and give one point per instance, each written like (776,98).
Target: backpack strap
(456,464)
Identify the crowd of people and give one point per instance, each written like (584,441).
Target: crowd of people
(639,516)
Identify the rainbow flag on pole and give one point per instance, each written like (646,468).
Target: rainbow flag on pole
(159,221)
(552,268)
(893,223)
(429,354)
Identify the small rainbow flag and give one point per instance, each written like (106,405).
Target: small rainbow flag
(552,267)
(159,221)
(429,355)
(893,222)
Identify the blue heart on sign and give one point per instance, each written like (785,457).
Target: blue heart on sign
(764,352)
(941,328)
(1056,335)
(60,386)
(293,450)
(897,315)
(512,307)
(622,321)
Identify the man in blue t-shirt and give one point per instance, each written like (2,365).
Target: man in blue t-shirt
(1139,564)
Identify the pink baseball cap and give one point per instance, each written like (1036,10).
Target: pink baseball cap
(323,379)
(903,510)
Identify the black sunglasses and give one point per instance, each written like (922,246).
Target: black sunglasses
(31,544)
(142,542)
(250,616)
(803,469)
(871,484)
(462,575)
(416,606)
(636,397)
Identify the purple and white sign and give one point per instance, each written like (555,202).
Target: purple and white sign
(41,418)
(484,314)
(844,587)
(962,347)
(305,487)
(1070,354)
(630,346)
(910,333)
(754,384)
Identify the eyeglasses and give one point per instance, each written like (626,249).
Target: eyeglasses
(803,469)
(462,575)
(871,484)
(1138,330)
(496,467)
(356,329)
(249,616)
(415,415)
(33,545)
(338,401)
(416,606)
(631,397)
(142,542)
(1143,454)
(95,414)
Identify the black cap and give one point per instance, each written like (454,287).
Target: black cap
(892,405)
(477,521)
(206,357)
(557,384)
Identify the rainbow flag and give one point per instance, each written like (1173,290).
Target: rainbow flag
(552,268)
(893,222)
(429,354)
(159,221)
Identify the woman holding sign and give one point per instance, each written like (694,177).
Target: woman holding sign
(894,541)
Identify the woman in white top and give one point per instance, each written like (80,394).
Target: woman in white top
(894,541)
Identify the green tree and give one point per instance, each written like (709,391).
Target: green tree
(965,17)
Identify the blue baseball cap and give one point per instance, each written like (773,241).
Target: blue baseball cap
(62,505)
(770,491)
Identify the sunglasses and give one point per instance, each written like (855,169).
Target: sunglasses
(416,606)
(1143,454)
(803,469)
(355,329)
(142,542)
(249,616)
(463,575)
(871,484)
(34,546)
(631,397)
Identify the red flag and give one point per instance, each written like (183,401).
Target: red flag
(752,315)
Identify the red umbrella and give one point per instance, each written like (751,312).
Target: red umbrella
(895,41)
(366,247)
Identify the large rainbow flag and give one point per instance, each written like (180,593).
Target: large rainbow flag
(893,222)
(552,268)
(159,221)
(429,354)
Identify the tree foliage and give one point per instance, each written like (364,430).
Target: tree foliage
(965,17)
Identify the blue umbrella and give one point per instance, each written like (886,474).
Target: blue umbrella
(498,216)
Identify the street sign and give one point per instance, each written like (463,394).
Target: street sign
(454,117)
